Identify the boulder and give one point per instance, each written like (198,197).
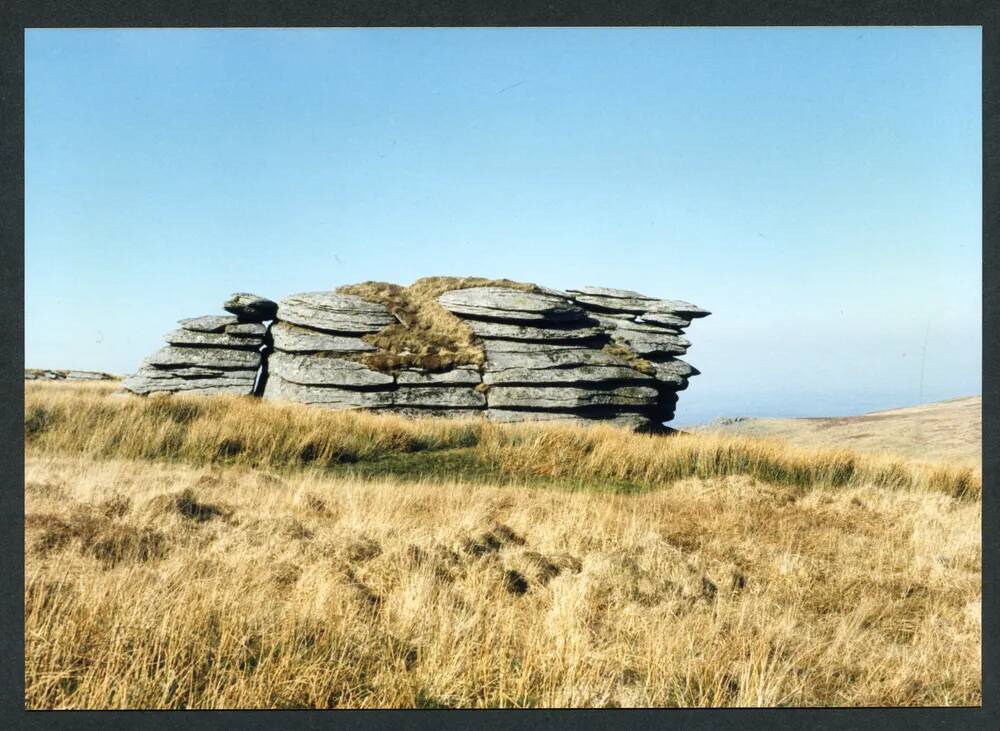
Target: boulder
(565,365)
(296,339)
(196,372)
(667,319)
(610,292)
(548,357)
(319,370)
(328,396)
(677,307)
(563,375)
(496,348)
(208,323)
(569,397)
(152,380)
(250,307)
(467,375)
(674,372)
(652,344)
(247,330)
(336,313)
(194,338)
(505,304)
(227,359)
(439,397)
(610,323)
(613,304)
(584,330)
(201,390)
(640,305)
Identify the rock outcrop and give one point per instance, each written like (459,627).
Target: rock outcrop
(60,374)
(213,354)
(603,354)
(583,355)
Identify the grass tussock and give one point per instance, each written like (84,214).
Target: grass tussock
(303,590)
(428,336)
(263,434)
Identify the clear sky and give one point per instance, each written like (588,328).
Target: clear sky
(819,190)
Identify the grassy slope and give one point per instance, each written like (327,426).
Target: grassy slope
(949,430)
(420,564)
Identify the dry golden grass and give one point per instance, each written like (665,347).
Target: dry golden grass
(98,421)
(429,336)
(90,419)
(165,568)
(158,585)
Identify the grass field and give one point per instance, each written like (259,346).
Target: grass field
(224,552)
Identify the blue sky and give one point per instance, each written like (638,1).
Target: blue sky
(819,190)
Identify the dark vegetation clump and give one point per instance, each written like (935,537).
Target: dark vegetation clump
(427,336)
(631,357)
(514,582)
(108,541)
(185,504)
(546,568)
(492,541)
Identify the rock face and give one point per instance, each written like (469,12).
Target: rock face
(591,354)
(587,354)
(213,354)
(513,305)
(317,337)
(250,307)
(291,338)
(329,312)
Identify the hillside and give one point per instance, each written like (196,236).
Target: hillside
(945,430)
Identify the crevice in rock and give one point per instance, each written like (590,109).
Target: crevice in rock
(266,348)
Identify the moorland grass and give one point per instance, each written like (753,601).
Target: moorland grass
(93,420)
(156,584)
(210,552)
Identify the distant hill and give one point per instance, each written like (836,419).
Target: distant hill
(61,374)
(943,430)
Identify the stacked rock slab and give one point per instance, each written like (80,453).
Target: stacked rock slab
(581,355)
(316,339)
(213,354)
(548,354)
(652,329)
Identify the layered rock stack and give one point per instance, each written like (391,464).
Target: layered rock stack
(581,355)
(212,354)
(591,353)
(317,335)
